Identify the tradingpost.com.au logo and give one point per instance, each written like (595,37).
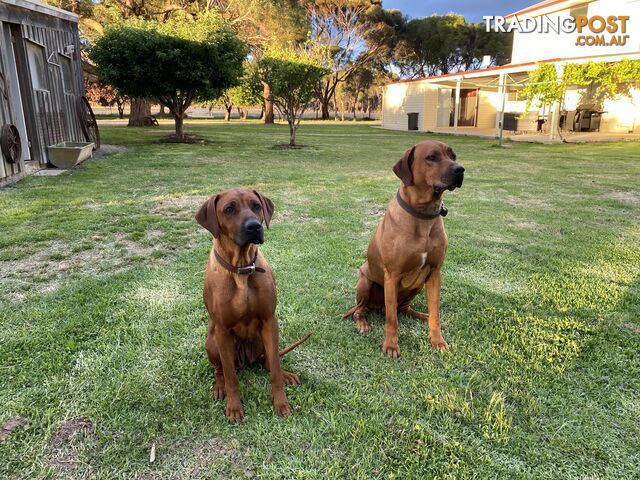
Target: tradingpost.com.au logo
(596,30)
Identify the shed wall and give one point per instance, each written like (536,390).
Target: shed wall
(43,102)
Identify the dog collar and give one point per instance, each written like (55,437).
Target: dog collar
(421,215)
(246,270)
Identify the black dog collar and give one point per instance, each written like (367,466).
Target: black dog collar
(246,270)
(415,213)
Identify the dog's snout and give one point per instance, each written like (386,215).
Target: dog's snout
(252,226)
(458,169)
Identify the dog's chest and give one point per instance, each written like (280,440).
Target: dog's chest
(244,302)
(416,276)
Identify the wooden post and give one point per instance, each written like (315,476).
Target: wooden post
(456,111)
(555,119)
(502,87)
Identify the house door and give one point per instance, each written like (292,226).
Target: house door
(468,113)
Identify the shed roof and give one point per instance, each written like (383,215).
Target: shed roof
(35,6)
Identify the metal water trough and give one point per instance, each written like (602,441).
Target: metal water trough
(70,154)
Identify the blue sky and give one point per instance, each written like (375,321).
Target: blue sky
(473,10)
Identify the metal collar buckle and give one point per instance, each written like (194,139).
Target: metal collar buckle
(248,270)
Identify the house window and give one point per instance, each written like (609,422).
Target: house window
(37,66)
(512,95)
(67,73)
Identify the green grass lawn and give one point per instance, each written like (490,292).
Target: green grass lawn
(102,325)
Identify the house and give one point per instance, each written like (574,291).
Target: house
(484,102)
(41,84)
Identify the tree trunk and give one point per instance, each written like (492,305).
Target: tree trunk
(140,108)
(227,113)
(261,114)
(325,108)
(162,111)
(120,106)
(292,133)
(268,104)
(179,126)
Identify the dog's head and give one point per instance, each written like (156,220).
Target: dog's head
(430,164)
(238,214)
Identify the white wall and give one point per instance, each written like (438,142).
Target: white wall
(399,99)
(487,108)
(622,115)
(531,47)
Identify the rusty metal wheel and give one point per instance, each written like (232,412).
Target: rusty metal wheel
(10,143)
(88,122)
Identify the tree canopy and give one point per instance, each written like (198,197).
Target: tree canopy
(438,45)
(293,76)
(175,62)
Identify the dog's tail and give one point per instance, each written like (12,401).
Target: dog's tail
(288,348)
(350,312)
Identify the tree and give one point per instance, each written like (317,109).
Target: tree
(104,95)
(339,30)
(293,76)
(264,23)
(358,83)
(246,94)
(98,15)
(175,62)
(438,45)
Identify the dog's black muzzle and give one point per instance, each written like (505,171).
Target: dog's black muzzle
(457,177)
(251,232)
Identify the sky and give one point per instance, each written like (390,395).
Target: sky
(473,10)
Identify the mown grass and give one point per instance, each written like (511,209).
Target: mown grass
(102,322)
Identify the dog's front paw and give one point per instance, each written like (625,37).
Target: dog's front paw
(282,406)
(391,349)
(234,410)
(438,342)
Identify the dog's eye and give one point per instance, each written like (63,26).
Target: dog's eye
(229,209)
(452,155)
(256,207)
(432,158)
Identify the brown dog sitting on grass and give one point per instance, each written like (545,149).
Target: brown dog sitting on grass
(240,296)
(409,245)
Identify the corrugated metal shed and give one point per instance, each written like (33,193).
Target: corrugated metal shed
(40,79)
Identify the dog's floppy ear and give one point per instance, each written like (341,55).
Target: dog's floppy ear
(267,207)
(403,167)
(207,216)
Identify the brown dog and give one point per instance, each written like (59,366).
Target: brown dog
(240,296)
(409,245)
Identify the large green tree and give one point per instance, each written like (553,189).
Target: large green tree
(175,62)
(293,76)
